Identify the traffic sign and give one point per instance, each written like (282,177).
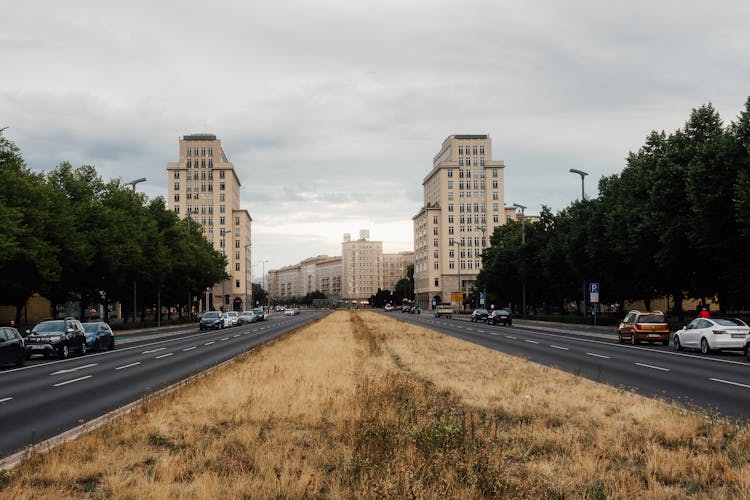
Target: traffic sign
(594,293)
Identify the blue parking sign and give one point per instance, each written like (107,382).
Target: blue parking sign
(594,293)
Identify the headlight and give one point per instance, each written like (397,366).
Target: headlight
(54,339)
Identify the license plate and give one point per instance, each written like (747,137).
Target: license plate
(654,335)
(37,348)
(738,335)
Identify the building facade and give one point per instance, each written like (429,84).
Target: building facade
(395,267)
(204,186)
(463,203)
(321,273)
(362,268)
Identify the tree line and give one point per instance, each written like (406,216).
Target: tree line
(68,235)
(675,222)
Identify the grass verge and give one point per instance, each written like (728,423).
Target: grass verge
(363,405)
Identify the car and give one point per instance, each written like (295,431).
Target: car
(747,347)
(479,315)
(443,309)
(260,314)
(500,316)
(415,310)
(11,346)
(712,334)
(643,326)
(247,317)
(99,335)
(212,320)
(405,309)
(57,337)
(232,318)
(291,311)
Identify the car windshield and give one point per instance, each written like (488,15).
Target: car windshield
(49,326)
(247,313)
(729,322)
(501,311)
(210,315)
(258,311)
(91,327)
(651,318)
(480,311)
(232,313)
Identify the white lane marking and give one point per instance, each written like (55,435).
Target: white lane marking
(5,399)
(654,367)
(730,382)
(235,336)
(598,355)
(531,341)
(558,347)
(225,338)
(511,337)
(128,366)
(74,369)
(154,350)
(72,381)
(189,348)
(164,355)
(209,343)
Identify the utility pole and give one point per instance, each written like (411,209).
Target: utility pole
(523,246)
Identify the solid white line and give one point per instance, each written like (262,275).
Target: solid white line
(71,381)
(511,337)
(598,355)
(128,366)
(531,341)
(209,343)
(5,399)
(189,348)
(74,369)
(154,350)
(730,382)
(654,367)
(164,355)
(558,347)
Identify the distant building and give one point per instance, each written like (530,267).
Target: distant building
(321,273)
(203,184)
(463,203)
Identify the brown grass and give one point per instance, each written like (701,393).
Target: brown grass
(360,405)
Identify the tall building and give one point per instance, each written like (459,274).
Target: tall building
(463,203)
(203,185)
(361,267)
(321,273)
(395,268)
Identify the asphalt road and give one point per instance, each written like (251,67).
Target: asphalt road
(719,382)
(48,397)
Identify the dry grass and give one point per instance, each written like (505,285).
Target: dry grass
(359,405)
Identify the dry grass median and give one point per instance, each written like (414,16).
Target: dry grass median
(361,405)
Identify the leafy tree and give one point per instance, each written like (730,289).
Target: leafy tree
(260,295)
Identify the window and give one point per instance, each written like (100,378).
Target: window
(450,207)
(460,150)
(450,219)
(451,265)
(221,186)
(222,174)
(188,151)
(176,186)
(221,197)
(237,245)
(237,266)
(222,209)
(236,221)
(435,231)
(222,243)
(450,229)
(177,197)
(496,219)
(495,195)
(211,151)
(176,209)
(474,150)
(450,184)
(435,254)
(450,173)
(236,283)
(494,184)
(435,242)
(481,160)
(461,162)
(222,220)
(203,162)
(203,151)
(177,175)
(481,150)
(495,207)
(434,219)
(195,151)
(450,196)
(210,163)
(434,265)
(494,172)
(436,282)
(189,163)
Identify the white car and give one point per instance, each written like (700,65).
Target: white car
(291,311)
(232,318)
(712,334)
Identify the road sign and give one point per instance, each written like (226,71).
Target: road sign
(594,293)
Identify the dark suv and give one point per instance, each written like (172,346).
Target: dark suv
(500,316)
(57,337)
(479,315)
(11,346)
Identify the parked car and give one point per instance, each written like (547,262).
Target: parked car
(291,311)
(260,314)
(231,318)
(212,320)
(247,317)
(444,309)
(479,315)
(415,310)
(747,347)
(57,337)
(713,334)
(99,335)
(643,326)
(500,316)
(11,346)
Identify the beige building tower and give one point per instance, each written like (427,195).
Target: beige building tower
(321,273)
(463,203)
(361,267)
(204,185)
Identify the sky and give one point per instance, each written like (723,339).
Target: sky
(332,110)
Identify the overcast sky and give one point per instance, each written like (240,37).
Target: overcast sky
(332,110)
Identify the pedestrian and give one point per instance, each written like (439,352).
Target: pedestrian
(704,313)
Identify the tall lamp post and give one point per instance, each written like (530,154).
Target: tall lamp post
(523,245)
(484,291)
(456,243)
(583,175)
(583,197)
(133,184)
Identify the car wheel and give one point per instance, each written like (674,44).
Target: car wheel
(64,352)
(510,323)
(705,348)
(619,338)
(677,346)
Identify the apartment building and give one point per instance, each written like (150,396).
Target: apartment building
(395,268)
(322,273)
(463,203)
(204,186)
(361,266)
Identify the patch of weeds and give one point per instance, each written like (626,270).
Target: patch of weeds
(595,491)
(88,484)
(4,479)
(163,442)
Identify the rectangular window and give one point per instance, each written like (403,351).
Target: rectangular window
(177,197)
(494,184)
(237,245)
(450,229)
(435,231)
(434,265)
(189,163)
(460,162)
(237,266)
(495,207)
(450,196)
(221,209)
(176,209)
(434,219)
(495,195)
(221,197)
(450,207)
(236,221)
(222,243)
(188,151)
(222,220)
(496,219)
(436,282)
(494,172)
(450,184)
(176,186)
(435,242)
(203,151)
(450,173)
(211,151)
(221,174)
(177,175)
(236,283)
(221,186)
(450,219)
(481,150)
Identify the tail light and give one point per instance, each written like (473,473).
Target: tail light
(719,332)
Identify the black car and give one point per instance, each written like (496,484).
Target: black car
(99,335)
(212,320)
(500,316)
(57,337)
(479,315)
(11,346)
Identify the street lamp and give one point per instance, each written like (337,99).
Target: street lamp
(582,174)
(460,288)
(523,245)
(132,184)
(484,291)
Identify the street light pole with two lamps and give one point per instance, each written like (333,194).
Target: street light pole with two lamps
(523,245)
(133,184)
